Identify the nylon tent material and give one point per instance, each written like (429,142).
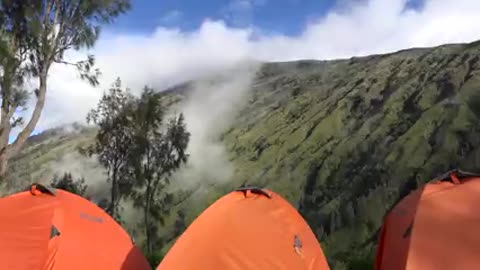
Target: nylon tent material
(434,227)
(248,229)
(54,229)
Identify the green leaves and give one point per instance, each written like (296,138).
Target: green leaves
(67,183)
(113,141)
(139,151)
(158,150)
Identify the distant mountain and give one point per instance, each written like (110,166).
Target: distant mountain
(48,153)
(341,140)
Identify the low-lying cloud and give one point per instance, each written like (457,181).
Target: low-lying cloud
(209,110)
(87,168)
(170,56)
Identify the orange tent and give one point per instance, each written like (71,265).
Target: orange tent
(434,228)
(250,229)
(49,229)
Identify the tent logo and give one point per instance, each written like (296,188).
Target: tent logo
(297,245)
(54,232)
(91,218)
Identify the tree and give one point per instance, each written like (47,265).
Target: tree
(67,183)
(180,224)
(348,214)
(158,150)
(34,35)
(113,141)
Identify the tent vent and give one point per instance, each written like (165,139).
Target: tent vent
(254,190)
(37,189)
(459,174)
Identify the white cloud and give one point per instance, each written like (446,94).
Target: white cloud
(169,55)
(208,112)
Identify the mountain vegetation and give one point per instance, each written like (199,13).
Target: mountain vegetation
(140,151)
(341,140)
(66,182)
(344,140)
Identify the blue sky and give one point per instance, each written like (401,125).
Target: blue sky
(285,30)
(279,16)
(288,17)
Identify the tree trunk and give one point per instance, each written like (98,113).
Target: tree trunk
(14,148)
(3,166)
(146,214)
(5,132)
(113,193)
(5,126)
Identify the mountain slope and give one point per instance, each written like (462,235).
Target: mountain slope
(341,140)
(344,140)
(48,153)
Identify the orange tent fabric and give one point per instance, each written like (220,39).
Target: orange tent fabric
(434,228)
(250,229)
(53,229)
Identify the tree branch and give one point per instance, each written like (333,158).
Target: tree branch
(57,11)
(48,9)
(61,30)
(11,112)
(62,48)
(4,132)
(66,63)
(157,181)
(73,14)
(5,125)
(2,115)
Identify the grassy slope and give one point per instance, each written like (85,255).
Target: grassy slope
(344,140)
(341,140)
(38,159)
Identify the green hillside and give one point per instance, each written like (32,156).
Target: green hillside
(341,140)
(47,154)
(344,140)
